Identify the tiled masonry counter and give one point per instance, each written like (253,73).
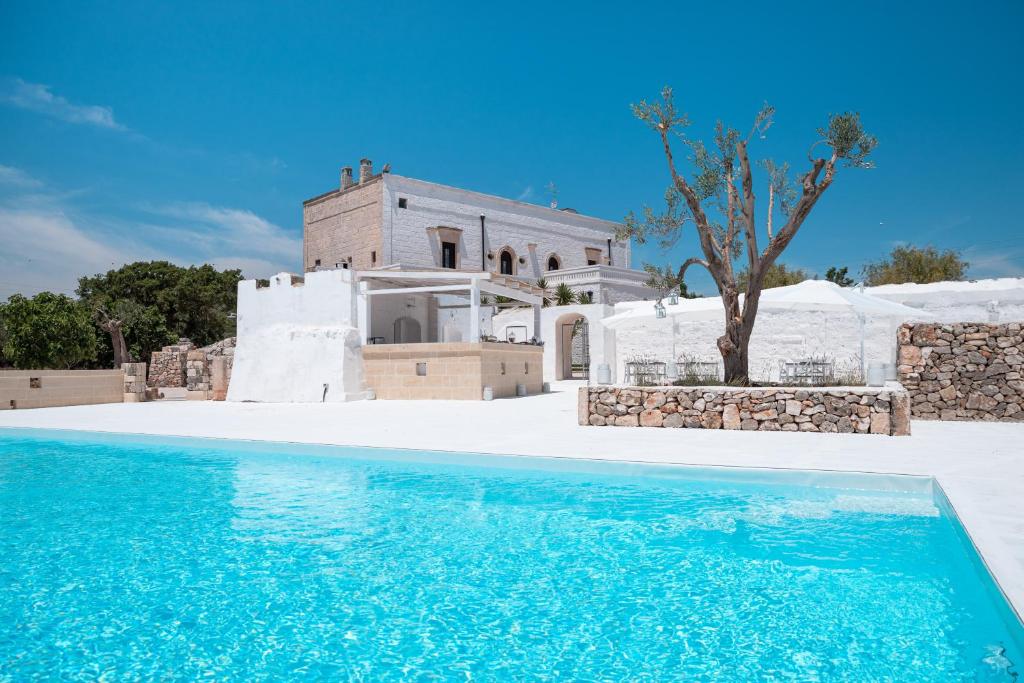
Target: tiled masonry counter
(452,371)
(848,410)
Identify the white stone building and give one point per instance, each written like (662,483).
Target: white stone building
(386,220)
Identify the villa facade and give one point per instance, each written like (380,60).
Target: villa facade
(385,220)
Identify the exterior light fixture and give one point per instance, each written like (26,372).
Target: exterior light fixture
(673,298)
(659,310)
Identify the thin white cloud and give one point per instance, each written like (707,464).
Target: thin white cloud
(49,241)
(526,194)
(46,250)
(15,177)
(983,263)
(232,231)
(39,98)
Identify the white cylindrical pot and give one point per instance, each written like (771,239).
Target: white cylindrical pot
(488,394)
(520,389)
(876,374)
(604,374)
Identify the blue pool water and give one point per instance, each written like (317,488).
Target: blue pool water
(131,558)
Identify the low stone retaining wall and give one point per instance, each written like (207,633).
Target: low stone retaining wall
(963,371)
(167,366)
(850,410)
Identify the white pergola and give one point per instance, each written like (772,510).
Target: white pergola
(474,283)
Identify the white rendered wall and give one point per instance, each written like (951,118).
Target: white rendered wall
(508,223)
(602,340)
(777,337)
(295,340)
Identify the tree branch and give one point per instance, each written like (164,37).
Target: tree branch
(712,249)
(747,207)
(694,261)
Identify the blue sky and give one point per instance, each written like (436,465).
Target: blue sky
(194,131)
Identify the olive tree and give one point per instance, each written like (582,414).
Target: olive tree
(718,199)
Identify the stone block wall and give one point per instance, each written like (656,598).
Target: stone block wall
(963,371)
(199,372)
(850,410)
(135,389)
(167,366)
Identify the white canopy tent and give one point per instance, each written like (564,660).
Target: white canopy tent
(809,295)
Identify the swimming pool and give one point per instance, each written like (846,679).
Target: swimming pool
(144,557)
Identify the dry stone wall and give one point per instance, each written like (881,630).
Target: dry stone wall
(850,410)
(963,371)
(200,373)
(167,366)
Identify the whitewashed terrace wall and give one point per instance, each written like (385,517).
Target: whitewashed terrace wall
(602,340)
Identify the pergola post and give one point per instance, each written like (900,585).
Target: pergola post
(474,311)
(363,311)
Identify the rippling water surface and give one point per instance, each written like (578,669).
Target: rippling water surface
(135,559)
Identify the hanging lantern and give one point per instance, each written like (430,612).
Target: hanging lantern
(673,299)
(659,310)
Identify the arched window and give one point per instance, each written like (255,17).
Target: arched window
(553,262)
(506,262)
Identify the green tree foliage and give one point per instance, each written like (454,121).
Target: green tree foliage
(564,296)
(916,264)
(838,276)
(777,275)
(685,293)
(47,331)
(194,302)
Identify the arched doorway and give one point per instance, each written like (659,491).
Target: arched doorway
(506,262)
(407,331)
(572,347)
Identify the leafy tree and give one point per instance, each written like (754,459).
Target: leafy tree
(47,331)
(684,292)
(135,331)
(776,275)
(564,296)
(664,280)
(719,200)
(838,276)
(194,302)
(916,264)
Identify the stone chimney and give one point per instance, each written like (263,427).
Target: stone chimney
(365,170)
(346,178)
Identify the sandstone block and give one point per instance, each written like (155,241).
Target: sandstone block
(731,417)
(651,418)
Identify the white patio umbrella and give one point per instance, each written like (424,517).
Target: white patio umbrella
(809,295)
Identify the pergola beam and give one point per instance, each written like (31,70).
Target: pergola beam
(501,290)
(426,289)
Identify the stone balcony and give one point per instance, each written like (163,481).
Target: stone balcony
(609,284)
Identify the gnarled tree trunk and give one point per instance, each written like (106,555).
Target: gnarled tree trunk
(114,329)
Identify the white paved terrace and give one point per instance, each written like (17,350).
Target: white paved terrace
(980,466)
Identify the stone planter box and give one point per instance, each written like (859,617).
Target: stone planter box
(849,410)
